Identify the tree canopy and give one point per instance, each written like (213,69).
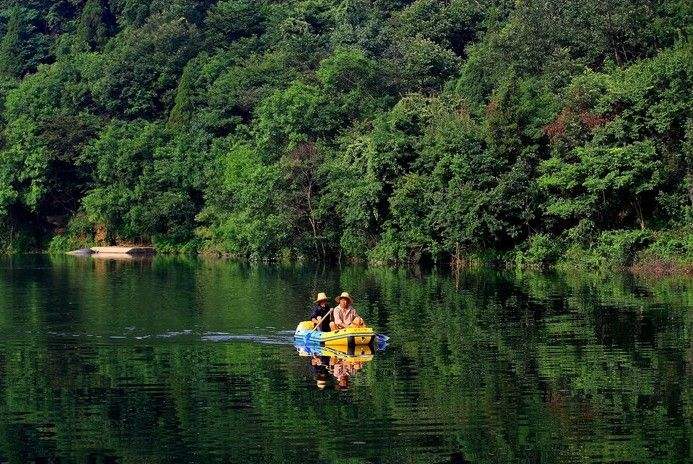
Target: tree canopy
(381,130)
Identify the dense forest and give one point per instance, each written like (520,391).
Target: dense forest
(384,131)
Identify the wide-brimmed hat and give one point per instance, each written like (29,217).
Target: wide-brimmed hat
(344,295)
(321,296)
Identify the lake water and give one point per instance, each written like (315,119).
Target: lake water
(173,360)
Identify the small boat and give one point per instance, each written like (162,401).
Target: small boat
(349,337)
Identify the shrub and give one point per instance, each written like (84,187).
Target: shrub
(611,249)
(670,246)
(620,247)
(542,251)
(79,233)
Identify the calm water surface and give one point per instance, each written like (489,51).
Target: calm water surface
(192,361)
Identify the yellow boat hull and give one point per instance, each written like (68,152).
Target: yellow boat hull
(361,353)
(341,339)
(345,337)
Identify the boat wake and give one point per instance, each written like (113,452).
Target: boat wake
(271,337)
(279,338)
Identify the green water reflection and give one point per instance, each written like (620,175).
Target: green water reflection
(192,361)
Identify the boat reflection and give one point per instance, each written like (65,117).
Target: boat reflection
(335,365)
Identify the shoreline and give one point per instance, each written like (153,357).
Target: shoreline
(647,268)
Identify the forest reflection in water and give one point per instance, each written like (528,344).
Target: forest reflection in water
(188,360)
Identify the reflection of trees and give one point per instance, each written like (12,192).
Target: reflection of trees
(508,368)
(540,366)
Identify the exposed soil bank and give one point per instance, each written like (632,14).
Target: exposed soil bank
(661,268)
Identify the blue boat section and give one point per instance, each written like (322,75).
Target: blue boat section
(308,337)
(381,341)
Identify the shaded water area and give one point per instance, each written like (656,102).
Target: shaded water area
(174,360)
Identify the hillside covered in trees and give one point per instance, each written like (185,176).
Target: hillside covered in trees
(387,131)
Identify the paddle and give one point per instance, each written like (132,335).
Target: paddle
(319,323)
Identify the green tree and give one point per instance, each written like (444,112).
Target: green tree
(630,168)
(96,24)
(138,74)
(23,46)
(230,20)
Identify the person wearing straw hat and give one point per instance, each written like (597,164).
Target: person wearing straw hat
(320,310)
(344,315)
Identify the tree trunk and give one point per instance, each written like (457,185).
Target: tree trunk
(311,220)
(638,212)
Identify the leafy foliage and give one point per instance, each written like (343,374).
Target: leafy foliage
(390,131)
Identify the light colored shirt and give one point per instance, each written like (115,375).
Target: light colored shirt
(343,369)
(344,317)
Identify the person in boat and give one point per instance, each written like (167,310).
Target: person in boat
(344,315)
(320,310)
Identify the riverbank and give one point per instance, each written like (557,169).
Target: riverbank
(641,252)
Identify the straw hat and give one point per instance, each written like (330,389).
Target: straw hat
(321,297)
(344,295)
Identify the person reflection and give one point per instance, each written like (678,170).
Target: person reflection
(318,365)
(342,371)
